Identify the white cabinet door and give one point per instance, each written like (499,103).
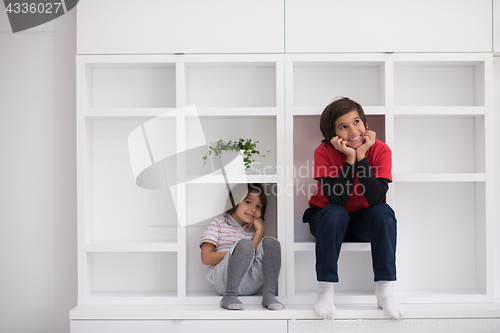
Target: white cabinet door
(388,26)
(173,26)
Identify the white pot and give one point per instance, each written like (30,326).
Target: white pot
(232,162)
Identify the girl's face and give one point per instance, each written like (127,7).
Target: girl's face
(248,210)
(351,129)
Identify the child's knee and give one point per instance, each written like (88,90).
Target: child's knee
(244,245)
(383,210)
(271,244)
(334,213)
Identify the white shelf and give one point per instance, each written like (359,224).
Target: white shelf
(131,247)
(132,294)
(310,246)
(291,311)
(128,112)
(317,110)
(437,111)
(438,177)
(170,112)
(235,111)
(442,296)
(232,179)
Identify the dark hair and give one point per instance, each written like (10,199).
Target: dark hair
(335,110)
(254,188)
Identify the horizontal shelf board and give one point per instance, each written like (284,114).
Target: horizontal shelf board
(317,110)
(343,58)
(310,246)
(439,177)
(155,112)
(291,311)
(443,58)
(441,296)
(439,111)
(171,58)
(234,111)
(127,112)
(210,297)
(236,179)
(131,247)
(291,57)
(420,296)
(132,294)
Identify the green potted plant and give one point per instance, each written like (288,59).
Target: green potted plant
(246,147)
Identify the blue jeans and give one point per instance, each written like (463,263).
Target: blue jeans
(333,225)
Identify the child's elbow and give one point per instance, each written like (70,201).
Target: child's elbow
(203,259)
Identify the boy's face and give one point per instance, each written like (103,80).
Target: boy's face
(351,129)
(249,209)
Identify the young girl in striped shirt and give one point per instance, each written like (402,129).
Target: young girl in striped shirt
(242,260)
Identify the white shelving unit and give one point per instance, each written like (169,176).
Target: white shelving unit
(433,110)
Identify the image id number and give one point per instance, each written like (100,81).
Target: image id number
(33,8)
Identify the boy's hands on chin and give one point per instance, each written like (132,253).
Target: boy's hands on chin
(368,141)
(341,145)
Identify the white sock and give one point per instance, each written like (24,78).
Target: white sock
(324,303)
(385,300)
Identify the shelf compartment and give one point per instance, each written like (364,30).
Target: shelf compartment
(231,84)
(132,274)
(353,279)
(435,242)
(118,209)
(320,83)
(196,283)
(303,158)
(131,85)
(262,129)
(441,296)
(439,145)
(439,83)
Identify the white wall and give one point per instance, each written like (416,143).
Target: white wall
(496,168)
(38,283)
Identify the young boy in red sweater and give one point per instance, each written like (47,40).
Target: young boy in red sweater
(353,170)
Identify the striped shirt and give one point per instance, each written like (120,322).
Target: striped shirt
(224,231)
